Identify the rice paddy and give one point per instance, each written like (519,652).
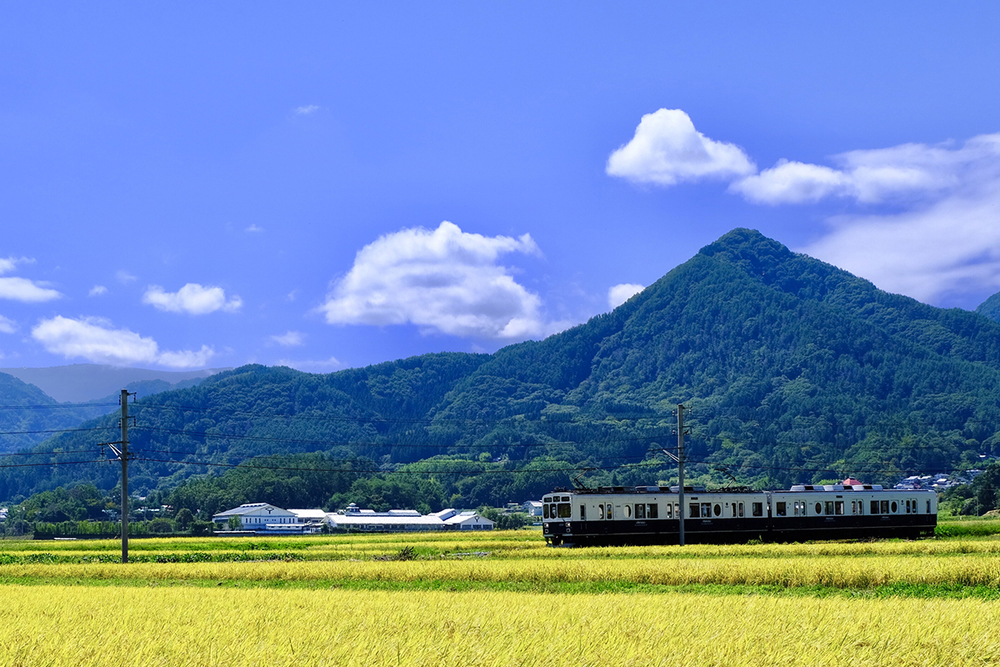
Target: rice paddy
(499,598)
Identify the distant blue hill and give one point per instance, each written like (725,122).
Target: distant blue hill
(81,383)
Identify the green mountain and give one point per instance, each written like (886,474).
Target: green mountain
(28,415)
(794,370)
(990,308)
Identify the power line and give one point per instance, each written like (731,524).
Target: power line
(393,472)
(56,430)
(349,443)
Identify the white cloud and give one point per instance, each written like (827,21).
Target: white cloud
(124,277)
(791,182)
(320,366)
(951,247)
(306,110)
(667,149)
(7,325)
(289,339)
(441,280)
(22,289)
(619,294)
(193,299)
(97,290)
(907,174)
(95,340)
(10,263)
(254,229)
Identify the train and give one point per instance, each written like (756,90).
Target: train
(609,516)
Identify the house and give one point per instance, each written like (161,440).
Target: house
(257,517)
(467,521)
(532,507)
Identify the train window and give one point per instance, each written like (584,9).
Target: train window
(819,508)
(583,512)
(677,511)
(652,510)
(640,511)
(829,507)
(907,505)
(694,511)
(546,500)
(874,507)
(545,511)
(565,499)
(895,507)
(628,511)
(779,509)
(717,510)
(611,512)
(758,509)
(928,507)
(600,512)
(565,511)
(838,507)
(741,510)
(670,510)
(706,510)
(885,507)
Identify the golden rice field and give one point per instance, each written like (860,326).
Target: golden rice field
(79,625)
(497,599)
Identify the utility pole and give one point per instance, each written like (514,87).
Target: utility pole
(124,400)
(124,457)
(680,471)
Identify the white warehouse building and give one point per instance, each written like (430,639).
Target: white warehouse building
(266,518)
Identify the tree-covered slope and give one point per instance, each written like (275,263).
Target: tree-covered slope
(796,371)
(28,415)
(990,308)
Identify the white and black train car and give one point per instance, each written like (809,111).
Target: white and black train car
(652,514)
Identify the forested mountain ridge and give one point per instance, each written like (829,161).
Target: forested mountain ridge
(796,371)
(28,415)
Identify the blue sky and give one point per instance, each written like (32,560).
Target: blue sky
(322,185)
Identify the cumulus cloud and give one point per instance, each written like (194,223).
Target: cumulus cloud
(901,174)
(442,280)
(667,149)
(619,294)
(7,325)
(97,290)
(22,289)
(193,299)
(306,110)
(96,340)
(27,291)
(254,229)
(289,339)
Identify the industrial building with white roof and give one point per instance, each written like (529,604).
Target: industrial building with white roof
(266,518)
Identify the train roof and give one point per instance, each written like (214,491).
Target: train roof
(798,488)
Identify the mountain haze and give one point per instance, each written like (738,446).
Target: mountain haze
(795,371)
(81,383)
